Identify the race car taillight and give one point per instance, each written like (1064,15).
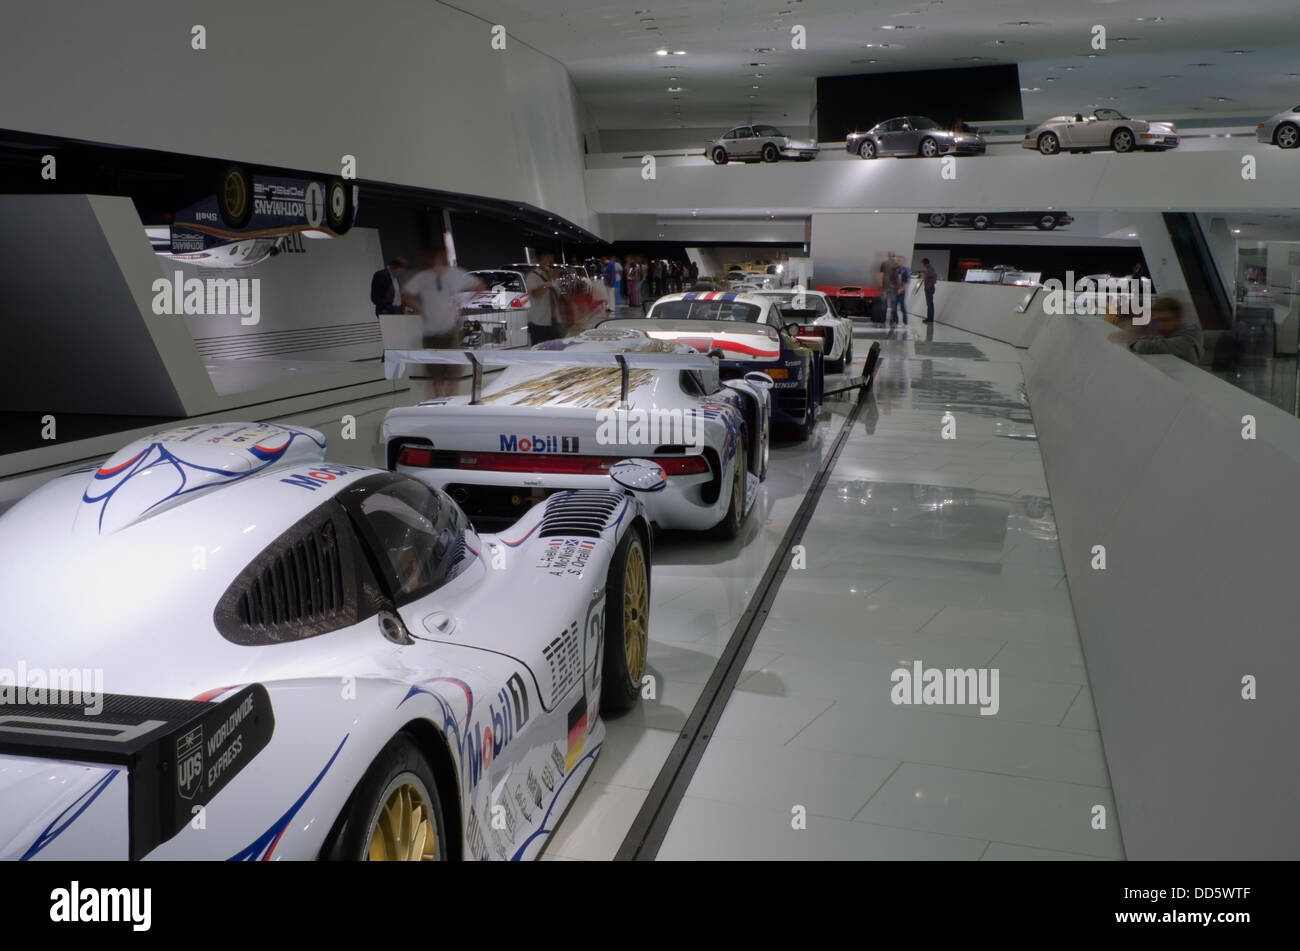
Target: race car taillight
(421,456)
(518,301)
(563,463)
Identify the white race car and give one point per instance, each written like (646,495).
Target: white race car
(261,655)
(562,413)
(505,290)
(818,320)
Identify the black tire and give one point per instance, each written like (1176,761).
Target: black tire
(338,206)
(1049,144)
(1046,222)
(764,450)
(979,222)
(929,148)
(867,149)
(938,221)
(770,153)
(848,355)
(1286,136)
(234,196)
(719,156)
(620,673)
(731,523)
(1121,140)
(400,763)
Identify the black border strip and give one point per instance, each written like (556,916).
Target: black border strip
(646,835)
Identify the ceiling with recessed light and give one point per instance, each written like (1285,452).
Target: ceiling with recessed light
(662,64)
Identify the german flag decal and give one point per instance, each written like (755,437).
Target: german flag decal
(577,732)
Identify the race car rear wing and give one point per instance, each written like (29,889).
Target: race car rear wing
(395,362)
(177,754)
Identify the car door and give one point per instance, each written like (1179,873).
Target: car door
(890,135)
(1092,132)
(744,145)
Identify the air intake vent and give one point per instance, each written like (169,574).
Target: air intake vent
(305,583)
(582,512)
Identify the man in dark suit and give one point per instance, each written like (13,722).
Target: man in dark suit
(386,288)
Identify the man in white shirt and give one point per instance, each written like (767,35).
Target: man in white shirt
(434,293)
(543,319)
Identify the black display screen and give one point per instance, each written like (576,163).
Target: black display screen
(855,103)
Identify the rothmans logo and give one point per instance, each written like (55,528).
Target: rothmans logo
(513,442)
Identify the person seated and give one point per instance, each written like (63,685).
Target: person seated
(1172,334)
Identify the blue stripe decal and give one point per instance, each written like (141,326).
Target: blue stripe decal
(267,840)
(554,799)
(729,296)
(46,836)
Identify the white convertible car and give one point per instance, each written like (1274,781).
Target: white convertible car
(818,320)
(228,648)
(559,415)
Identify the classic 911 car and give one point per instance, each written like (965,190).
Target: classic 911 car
(262,655)
(1102,129)
(749,334)
(753,143)
(560,415)
(912,135)
(818,319)
(979,220)
(1282,130)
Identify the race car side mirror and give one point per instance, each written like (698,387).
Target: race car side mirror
(759,379)
(639,475)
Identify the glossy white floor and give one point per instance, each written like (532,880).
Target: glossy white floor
(921,548)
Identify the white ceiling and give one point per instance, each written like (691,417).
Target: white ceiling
(1177,68)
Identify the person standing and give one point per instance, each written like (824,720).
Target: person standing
(434,293)
(610,281)
(694,271)
(386,288)
(904,277)
(931,277)
(543,300)
(889,286)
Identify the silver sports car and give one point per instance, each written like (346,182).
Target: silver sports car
(1283,130)
(1103,129)
(751,143)
(912,135)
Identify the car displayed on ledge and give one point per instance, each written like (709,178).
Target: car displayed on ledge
(505,290)
(818,319)
(754,143)
(979,220)
(326,661)
(748,333)
(1101,129)
(912,135)
(560,415)
(1282,130)
(248,216)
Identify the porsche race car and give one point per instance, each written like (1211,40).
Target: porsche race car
(818,320)
(561,414)
(749,334)
(262,655)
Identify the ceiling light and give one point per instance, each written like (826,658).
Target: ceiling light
(674,88)
(1237,52)
(1030,89)
(763,49)
(1024,23)
(758,65)
(753,87)
(1236,231)
(1151,19)
(1132,234)
(758,75)
(1200,64)
(679,52)
(661,52)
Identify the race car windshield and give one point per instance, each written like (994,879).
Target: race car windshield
(1109,114)
(716,309)
(505,280)
(921,122)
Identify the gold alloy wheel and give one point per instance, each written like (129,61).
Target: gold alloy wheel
(404,829)
(636,612)
(235,195)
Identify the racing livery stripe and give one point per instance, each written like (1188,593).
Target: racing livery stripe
(262,847)
(255,233)
(46,836)
(525,538)
(541,829)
